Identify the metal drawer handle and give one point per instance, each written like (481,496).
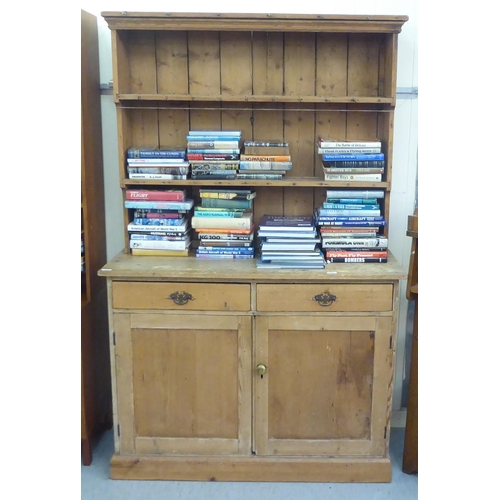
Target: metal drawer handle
(180,298)
(325,298)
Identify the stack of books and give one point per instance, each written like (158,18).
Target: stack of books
(350,222)
(160,222)
(352,161)
(223,224)
(163,163)
(213,154)
(264,160)
(289,242)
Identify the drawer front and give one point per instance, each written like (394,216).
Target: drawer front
(181,296)
(324,298)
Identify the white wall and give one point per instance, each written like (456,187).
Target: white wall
(405,132)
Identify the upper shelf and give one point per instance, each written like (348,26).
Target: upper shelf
(254,22)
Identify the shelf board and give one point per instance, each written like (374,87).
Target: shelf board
(290,182)
(122,97)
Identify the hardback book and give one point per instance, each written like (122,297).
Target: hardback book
(354,193)
(192,144)
(265,165)
(288,246)
(228,194)
(218,212)
(225,231)
(349,218)
(149,221)
(214,237)
(211,138)
(362,207)
(221,203)
(165,177)
(212,156)
(327,150)
(358,242)
(364,201)
(157,152)
(160,244)
(158,237)
(354,164)
(214,165)
(213,177)
(353,156)
(223,151)
(353,177)
(165,205)
(158,162)
(212,133)
(222,256)
(290,264)
(160,252)
(265,158)
(287,234)
(346,223)
(159,232)
(159,170)
(268,143)
(266,150)
(349,170)
(355,260)
(335,143)
(287,223)
(347,213)
(241,250)
(214,172)
(137,228)
(155,194)
(260,176)
(243,222)
(350,253)
(224,243)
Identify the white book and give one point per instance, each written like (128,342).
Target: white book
(355,242)
(324,150)
(329,143)
(354,177)
(166,177)
(136,228)
(160,244)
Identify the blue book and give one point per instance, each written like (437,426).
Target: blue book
(364,201)
(354,157)
(327,218)
(196,138)
(167,205)
(147,221)
(226,250)
(349,206)
(353,224)
(154,152)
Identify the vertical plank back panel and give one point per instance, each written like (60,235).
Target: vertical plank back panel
(363,71)
(121,70)
(172,62)
(204,63)
(300,64)
(142,62)
(331,64)
(236,63)
(267,63)
(173,124)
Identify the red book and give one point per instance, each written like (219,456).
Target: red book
(155,195)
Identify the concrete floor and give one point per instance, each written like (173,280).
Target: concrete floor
(96,485)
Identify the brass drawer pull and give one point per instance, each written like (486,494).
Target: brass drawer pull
(325,299)
(180,298)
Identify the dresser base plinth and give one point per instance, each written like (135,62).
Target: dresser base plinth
(282,469)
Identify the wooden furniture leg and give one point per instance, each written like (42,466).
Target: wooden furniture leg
(87,451)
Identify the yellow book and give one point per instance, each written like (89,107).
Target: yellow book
(160,253)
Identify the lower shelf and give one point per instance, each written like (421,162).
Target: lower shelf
(280,469)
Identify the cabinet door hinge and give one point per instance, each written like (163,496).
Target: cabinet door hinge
(118,429)
(114,339)
(385,432)
(390,342)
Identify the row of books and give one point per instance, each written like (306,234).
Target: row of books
(351,161)
(346,228)
(349,223)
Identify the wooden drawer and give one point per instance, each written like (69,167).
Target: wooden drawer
(324,298)
(174,296)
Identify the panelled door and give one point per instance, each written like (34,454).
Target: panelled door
(322,385)
(183,383)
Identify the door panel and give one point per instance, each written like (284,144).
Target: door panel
(318,393)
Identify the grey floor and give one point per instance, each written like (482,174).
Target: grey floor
(96,484)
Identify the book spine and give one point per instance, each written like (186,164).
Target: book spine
(352,223)
(155,162)
(150,221)
(159,170)
(260,176)
(158,244)
(266,158)
(221,222)
(265,165)
(349,170)
(224,237)
(156,237)
(219,256)
(226,250)
(165,177)
(164,205)
(355,260)
(213,177)
(352,218)
(221,195)
(354,177)
(218,203)
(137,228)
(327,150)
(216,165)
(354,164)
(364,201)
(203,171)
(212,145)
(348,206)
(274,144)
(349,144)
(144,195)
(359,242)
(354,193)
(155,153)
(197,213)
(326,213)
(354,157)
(160,253)
(209,156)
(160,233)
(222,151)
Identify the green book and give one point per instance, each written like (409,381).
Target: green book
(221,203)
